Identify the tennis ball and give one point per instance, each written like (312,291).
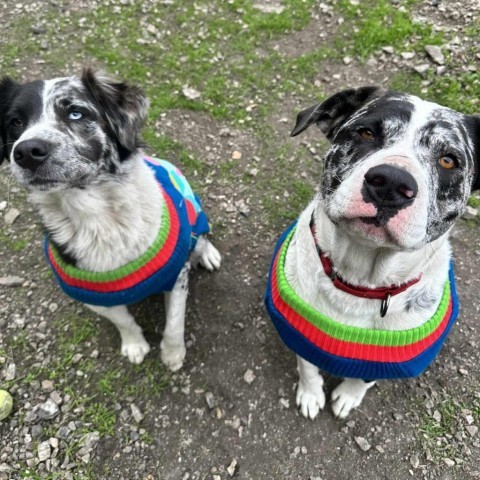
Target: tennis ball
(6,404)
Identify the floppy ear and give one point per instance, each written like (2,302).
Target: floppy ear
(7,86)
(335,110)
(474,129)
(124,108)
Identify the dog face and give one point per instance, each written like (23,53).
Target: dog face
(399,170)
(67,132)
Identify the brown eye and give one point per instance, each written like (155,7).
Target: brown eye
(447,162)
(16,122)
(366,134)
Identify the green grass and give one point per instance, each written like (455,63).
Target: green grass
(372,25)
(460,91)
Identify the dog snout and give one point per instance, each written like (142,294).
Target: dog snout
(31,154)
(389,186)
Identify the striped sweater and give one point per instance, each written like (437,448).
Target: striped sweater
(158,268)
(347,351)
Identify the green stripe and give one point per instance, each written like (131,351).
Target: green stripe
(125,270)
(339,331)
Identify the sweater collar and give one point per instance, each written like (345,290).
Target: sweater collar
(380,293)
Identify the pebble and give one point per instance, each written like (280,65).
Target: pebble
(363,444)
(210,399)
(236,155)
(11,281)
(249,376)
(11,216)
(44,451)
(190,93)
(435,53)
(3,205)
(10,372)
(422,69)
(48,410)
(470,213)
(136,413)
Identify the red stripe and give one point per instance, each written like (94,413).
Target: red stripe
(359,351)
(157,262)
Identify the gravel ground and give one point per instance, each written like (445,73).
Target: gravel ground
(80,410)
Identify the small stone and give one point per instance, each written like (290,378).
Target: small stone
(232,468)
(388,49)
(76,358)
(347,60)
(472,430)
(11,216)
(435,53)
(236,155)
(470,213)
(249,376)
(3,205)
(422,69)
(11,281)
(448,462)
(44,451)
(48,410)
(210,399)
(48,385)
(10,372)
(90,440)
(284,402)
(38,29)
(54,442)
(463,371)
(414,461)
(190,93)
(94,354)
(136,413)
(407,55)
(37,431)
(363,444)
(53,307)
(269,8)
(63,433)
(437,416)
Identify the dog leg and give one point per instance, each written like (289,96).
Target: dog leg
(206,254)
(310,395)
(134,345)
(173,342)
(349,395)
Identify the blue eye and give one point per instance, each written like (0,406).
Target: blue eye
(75,115)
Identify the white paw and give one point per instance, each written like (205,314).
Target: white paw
(135,351)
(310,399)
(173,355)
(209,257)
(348,395)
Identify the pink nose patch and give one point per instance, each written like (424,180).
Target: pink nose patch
(405,191)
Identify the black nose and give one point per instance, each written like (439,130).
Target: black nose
(31,153)
(389,186)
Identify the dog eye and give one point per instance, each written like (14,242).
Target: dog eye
(75,115)
(366,134)
(447,162)
(16,122)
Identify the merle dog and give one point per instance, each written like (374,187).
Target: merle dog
(362,285)
(120,226)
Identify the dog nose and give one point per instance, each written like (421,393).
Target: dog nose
(31,153)
(389,186)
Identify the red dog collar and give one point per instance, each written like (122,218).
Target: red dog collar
(381,293)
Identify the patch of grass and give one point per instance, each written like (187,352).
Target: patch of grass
(474,201)
(459,92)
(13,242)
(378,24)
(102,417)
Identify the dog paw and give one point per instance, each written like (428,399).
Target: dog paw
(310,399)
(209,256)
(348,395)
(173,356)
(135,351)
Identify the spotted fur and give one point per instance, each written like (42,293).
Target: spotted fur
(385,239)
(75,144)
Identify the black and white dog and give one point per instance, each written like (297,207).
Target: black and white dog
(360,287)
(74,144)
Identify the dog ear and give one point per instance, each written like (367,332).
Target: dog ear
(123,106)
(7,86)
(335,110)
(473,123)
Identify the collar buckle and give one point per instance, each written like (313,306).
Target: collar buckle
(385,304)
